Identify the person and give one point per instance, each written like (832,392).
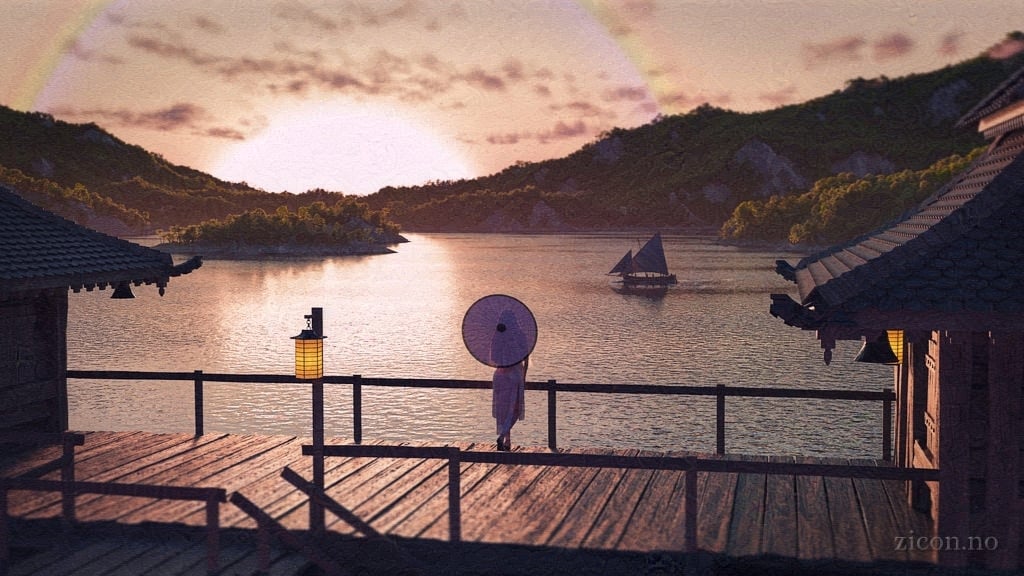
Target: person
(510,355)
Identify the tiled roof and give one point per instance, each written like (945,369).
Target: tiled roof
(41,250)
(961,251)
(1010,91)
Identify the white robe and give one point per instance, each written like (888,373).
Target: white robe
(509,399)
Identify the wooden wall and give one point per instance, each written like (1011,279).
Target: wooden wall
(33,361)
(965,394)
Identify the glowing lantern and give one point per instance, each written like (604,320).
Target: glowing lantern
(896,343)
(309,348)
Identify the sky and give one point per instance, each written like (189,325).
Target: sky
(352,96)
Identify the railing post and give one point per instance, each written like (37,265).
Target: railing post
(454,495)
(197,379)
(357,409)
(720,419)
(316,509)
(690,506)
(552,417)
(887,428)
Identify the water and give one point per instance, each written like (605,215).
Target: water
(399,315)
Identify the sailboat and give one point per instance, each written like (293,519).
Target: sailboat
(647,269)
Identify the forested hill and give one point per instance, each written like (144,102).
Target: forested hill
(685,171)
(693,170)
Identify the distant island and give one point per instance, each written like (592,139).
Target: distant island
(345,229)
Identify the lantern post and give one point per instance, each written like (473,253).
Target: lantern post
(309,365)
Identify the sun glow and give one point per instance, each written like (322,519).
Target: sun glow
(342,147)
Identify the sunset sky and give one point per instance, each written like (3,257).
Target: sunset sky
(352,96)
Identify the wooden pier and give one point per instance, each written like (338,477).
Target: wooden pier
(400,507)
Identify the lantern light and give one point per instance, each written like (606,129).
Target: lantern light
(309,352)
(895,338)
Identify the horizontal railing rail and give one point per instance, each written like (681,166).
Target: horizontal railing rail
(552,387)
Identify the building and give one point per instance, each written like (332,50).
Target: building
(42,256)
(946,284)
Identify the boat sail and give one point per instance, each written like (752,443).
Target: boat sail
(647,269)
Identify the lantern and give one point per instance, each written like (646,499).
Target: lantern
(895,338)
(309,349)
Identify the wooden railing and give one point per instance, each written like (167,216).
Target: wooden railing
(690,465)
(552,387)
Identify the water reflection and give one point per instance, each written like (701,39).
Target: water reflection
(399,315)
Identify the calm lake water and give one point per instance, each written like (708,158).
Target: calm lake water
(399,315)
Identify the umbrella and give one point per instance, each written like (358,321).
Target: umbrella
(499,330)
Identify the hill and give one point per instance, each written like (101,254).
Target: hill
(692,170)
(687,171)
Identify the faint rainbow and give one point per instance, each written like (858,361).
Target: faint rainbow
(70,25)
(633,48)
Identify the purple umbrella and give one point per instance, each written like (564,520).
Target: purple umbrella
(499,330)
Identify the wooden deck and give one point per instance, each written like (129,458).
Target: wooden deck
(564,509)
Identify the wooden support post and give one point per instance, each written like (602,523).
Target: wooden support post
(720,419)
(212,536)
(454,495)
(316,509)
(887,428)
(552,417)
(357,409)
(690,505)
(197,380)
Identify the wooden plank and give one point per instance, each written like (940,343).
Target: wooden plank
(780,513)
(401,492)
(278,498)
(879,522)
(584,514)
(715,509)
(746,525)
(909,522)
(432,515)
(478,522)
(658,521)
(814,526)
(619,510)
(552,494)
(557,493)
(199,468)
(849,537)
(262,467)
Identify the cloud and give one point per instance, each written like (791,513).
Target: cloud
(560,131)
(626,93)
(171,50)
(949,44)
(480,78)
(174,117)
(845,49)
(679,100)
(208,25)
(1008,47)
(296,12)
(892,46)
(780,97)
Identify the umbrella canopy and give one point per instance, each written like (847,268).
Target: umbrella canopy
(499,330)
